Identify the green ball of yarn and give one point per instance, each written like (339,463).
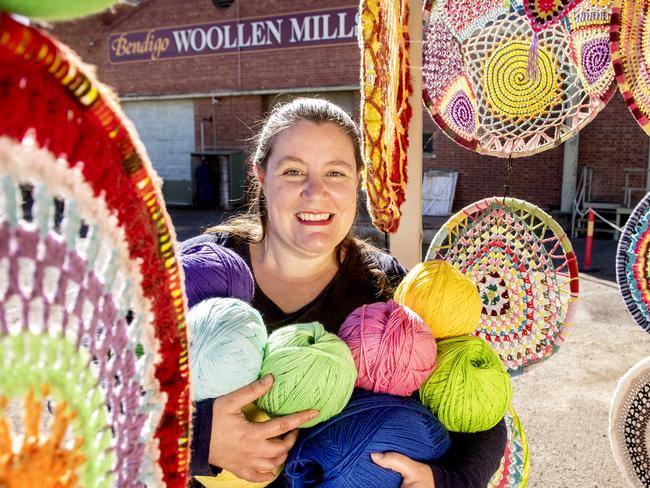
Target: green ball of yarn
(470,390)
(55,9)
(312,369)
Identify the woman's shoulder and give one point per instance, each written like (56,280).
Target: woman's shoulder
(380,260)
(219,238)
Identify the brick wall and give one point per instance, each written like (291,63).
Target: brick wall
(234,120)
(537,179)
(331,65)
(610,143)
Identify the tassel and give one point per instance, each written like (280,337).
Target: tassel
(532,67)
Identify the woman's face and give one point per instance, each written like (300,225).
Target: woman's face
(310,186)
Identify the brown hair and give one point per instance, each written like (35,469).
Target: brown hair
(250,226)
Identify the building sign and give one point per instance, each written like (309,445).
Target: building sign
(315,28)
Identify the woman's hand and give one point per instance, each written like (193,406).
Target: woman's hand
(251,451)
(414,474)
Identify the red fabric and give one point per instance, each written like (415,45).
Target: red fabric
(36,98)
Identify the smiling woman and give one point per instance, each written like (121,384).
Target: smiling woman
(297,238)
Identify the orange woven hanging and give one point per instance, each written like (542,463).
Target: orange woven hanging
(385,110)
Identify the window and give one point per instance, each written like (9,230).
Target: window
(427,143)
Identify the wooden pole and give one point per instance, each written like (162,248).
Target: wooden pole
(406,243)
(570,173)
(591,220)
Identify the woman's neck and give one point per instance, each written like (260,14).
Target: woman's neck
(271,258)
(288,279)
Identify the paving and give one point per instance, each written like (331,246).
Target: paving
(564,402)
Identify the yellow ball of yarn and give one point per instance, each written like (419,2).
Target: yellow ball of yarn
(447,300)
(226,479)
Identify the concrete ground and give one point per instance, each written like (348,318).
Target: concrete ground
(564,403)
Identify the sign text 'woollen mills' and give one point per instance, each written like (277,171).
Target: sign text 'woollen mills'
(286,31)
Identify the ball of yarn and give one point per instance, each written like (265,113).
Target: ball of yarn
(393,349)
(312,369)
(227,340)
(226,479)
(445,298)
(337,453)
(55,9)
(469,391)
(215,271)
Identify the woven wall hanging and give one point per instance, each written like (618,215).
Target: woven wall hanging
(385,110)
(628,424)
(513,470)
(542,14)
(88,275)
(630,28)
(526,272)
(476,77)
(633,263)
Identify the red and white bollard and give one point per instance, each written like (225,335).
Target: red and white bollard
(591,220)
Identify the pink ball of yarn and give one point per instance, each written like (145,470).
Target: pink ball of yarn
(393,349)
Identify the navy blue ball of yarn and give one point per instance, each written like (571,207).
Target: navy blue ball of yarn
(213,271)
(336,453)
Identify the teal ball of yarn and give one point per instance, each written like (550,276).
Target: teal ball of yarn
(312,369)
(227,341)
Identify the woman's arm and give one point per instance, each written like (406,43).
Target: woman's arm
(224,438)
(200,446)
(470,463)
(472,459)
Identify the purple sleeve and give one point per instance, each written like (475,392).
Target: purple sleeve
(472,459)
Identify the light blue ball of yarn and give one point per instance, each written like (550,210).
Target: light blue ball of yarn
(227,341)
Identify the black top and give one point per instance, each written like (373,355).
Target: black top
(352,286)
(472,459)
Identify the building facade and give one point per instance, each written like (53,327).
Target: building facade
(196,78)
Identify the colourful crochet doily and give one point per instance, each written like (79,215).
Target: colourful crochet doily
(630,47)
(629,416)
(385,111)
(526,272)
(633,264)
(92,318)
(513,470)
(475,81)
(544,13)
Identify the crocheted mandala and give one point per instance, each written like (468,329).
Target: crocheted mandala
(630,31)
(526,272)
(543,13)
(633,264)
(513,470)
(629,416)
(88,276)
(385,111)
(475,72)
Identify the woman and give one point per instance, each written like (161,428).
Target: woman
(297,240)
